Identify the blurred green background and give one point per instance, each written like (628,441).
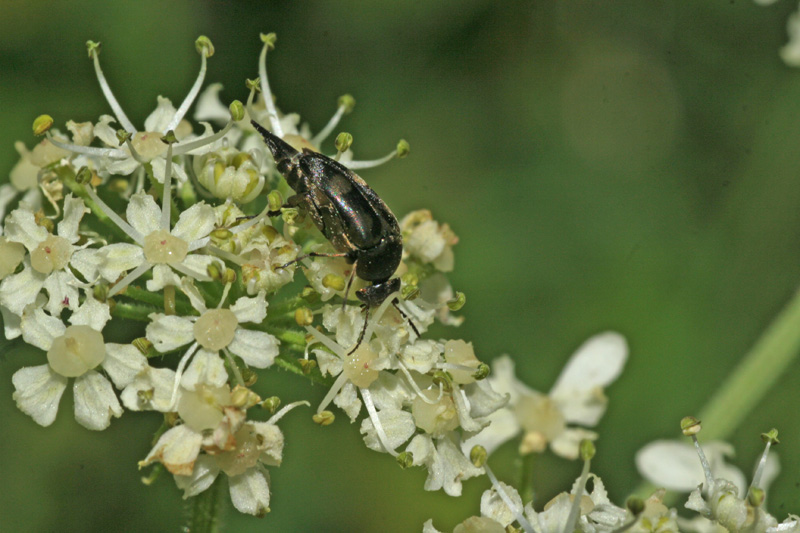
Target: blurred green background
(621,165)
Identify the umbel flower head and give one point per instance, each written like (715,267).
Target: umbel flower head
(178,234)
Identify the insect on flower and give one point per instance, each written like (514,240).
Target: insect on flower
(349,214)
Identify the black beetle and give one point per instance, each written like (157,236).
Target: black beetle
(349,214)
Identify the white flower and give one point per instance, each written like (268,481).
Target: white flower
(74,352)
(576,398)
(50,260)
(447,465)
(428,241)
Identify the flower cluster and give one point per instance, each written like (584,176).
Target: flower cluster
(180,235)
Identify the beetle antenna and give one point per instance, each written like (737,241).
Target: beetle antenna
(405,316)
(363,330)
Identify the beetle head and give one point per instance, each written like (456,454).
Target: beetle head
(375,294)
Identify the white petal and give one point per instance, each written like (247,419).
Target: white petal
(161,116)
(493,506)
(115,259)
(163,276)
(11,324)
(150,390)
(397,424)
(483,399)
(256,348)
(194,223)
(567,444)
(38,391)
(74,209)
(597,363)
(206,368)
(467,423)
(504,381)
(61,291)
(21,226)
(328,363)
(389,391)
(271,443)
(427,527)
(168,332)
(195,298)
(95,401)
(674,465)
(87,262)
(209,106)
(348,401)
(143,213)
(422,355)
(177,450)
(503,426)
(123,363)
(204,473)
(250,309)
(91,313)
(21,289)
(250,492)
(160,168)
(39,329)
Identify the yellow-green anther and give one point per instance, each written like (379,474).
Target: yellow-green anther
(249,377)
(457,302)
(290,215)
(478,456)
(237,110)
(635,505)
(325,418)
(409,292)
(333,282)
(307,365)
(269,39)
(253,85)
(229,276)
(409,278)
(83,176)
(405,460)
(118,185)
(171,418)
(46,223)
(100,292)
(169,137)
(146,395)
(123,136)
(214,271)
(347,102)
(143,345)
(92,48)
(482,372)
(444,378)
(303,316)
(770,436)
(239,159)
(271,404)
(755,496)
(690,426)
(309,294)
(403,148)
(41,124)
(343,141)
(274,200)
(204,46)
(587,450)
(221,234)
(244,398)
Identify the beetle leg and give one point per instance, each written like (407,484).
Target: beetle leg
(405,316)
(363,330)
(349,283)
(309,254)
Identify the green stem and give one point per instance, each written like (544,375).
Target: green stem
(755,375)
(526,476)
(206,509)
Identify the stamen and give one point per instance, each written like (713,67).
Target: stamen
(266,92)
(181,149)
(193,92)
(110,213)
(332,123)
(166,196)
(277,416)
(341,379)
(575,510)
(521,520)
(237,375)
(335,348)
(224,294)
(112,101)
(356,165)
(179,374)
(416,388)
(91,151)
(127,280)
(376,423)
(134,153)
